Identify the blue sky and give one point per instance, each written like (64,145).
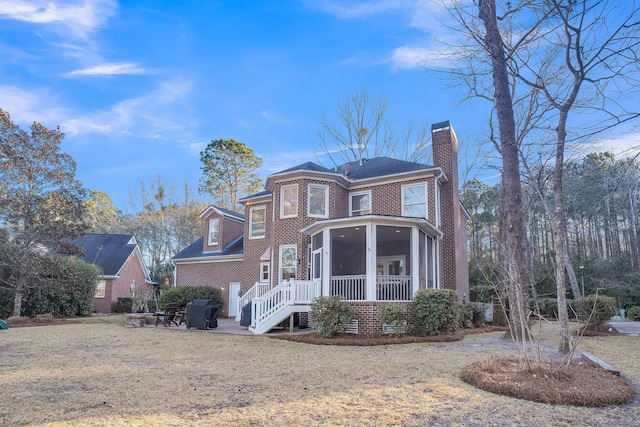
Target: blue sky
(140,87)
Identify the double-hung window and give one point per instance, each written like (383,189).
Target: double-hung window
(289,201)
(288,262)
(257,222)
(360,203)
(214,231)
(318,201)
(414,200)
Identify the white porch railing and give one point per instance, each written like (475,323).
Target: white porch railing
(350,288)
(257,290)
(394,288)
(388,288)
(269,309)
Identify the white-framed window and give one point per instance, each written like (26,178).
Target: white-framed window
(288,262)
(414,200)
(360,203)
(318,201)
(289,201)
(257,222)
(214,231)
(100,289)
(265,269)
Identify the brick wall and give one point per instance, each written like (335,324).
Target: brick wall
(368,315)
(214,274)
(453,260)
(121,287)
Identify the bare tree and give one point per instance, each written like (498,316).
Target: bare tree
(361,130)
(572,57)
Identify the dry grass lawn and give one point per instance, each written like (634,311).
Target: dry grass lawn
(99,373)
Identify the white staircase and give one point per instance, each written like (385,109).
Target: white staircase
(256,291)
(277,304)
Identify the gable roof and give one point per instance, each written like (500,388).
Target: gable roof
(108,251)
(194,250)
(222,211)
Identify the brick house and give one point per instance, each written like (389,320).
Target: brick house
(123,271)
(374,232)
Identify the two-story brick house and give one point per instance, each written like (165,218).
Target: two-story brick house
(373,231)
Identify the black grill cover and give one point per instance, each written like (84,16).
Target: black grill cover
(245,315)
(202,314)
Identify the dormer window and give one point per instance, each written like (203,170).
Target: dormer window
(214,231)
(289,201)
(414,200)
(360,203)
(318,201)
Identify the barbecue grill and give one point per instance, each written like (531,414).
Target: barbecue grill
(202,314)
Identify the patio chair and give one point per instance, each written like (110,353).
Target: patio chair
(168,315)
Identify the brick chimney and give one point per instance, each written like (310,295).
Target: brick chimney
(454,261)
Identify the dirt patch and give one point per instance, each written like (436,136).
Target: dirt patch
(579,384)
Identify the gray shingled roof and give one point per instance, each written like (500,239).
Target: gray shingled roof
(254,195)
(380,166)
(230,213)
(107,251)
(308,166)
(194,250)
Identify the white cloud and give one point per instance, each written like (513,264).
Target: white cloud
(81,17)
(110,69)
(408,57)
(624,145)
(25,107)
(148,116)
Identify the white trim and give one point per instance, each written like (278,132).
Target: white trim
(405,187)
(326,200)
(359,193)
(251,223)
(297,205)
(217,241)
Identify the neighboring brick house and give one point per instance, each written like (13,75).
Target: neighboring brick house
(373,232)
(123,271)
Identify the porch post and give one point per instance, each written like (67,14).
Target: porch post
(371,262)
(415,260)
(326,262)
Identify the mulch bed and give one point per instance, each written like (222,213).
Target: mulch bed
(579,384)
(370,340)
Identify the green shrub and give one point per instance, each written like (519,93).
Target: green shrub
(436,311)
(66,289)
(634,313)
(471,316)
(332,315)
(594,310)
(124,305)
(395,316)
(182,295)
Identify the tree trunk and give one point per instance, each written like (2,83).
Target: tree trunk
(17,301)
(516,268)
(560,236)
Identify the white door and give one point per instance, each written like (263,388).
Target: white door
(234,296)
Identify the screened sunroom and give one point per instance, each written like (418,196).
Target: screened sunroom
(374,257)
